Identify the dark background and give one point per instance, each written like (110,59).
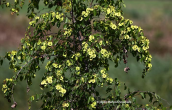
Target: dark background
(155,18)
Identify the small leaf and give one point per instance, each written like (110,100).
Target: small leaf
(66,19)
(125,87)
(143,95)
(94,12)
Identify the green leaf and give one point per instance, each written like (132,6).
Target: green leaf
(66,20)
(143,95)
(58,24)
(80,58)
(94,12)
(125,87)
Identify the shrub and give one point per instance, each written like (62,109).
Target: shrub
(83,46)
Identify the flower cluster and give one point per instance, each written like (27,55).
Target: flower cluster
(59,16)
(93,105)
(92,81)
(136,48)
(145,43)
(110,80)
(4,86)
(149,58)
(113,26)
(59,75)
(78,70)
(56,65)
(91,52)
(44,44)
(76,55)
(126,37)
(61,89)
(112,12)
(67,32)
(103,73)
(105,53)
(65,105)
(32,23)
(87,12)
(48,80)
(91,37)
(68,63)
(82,79)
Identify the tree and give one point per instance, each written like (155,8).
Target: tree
(83,44)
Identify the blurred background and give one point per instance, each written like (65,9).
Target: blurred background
(155,18)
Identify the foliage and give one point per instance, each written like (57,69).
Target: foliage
(83,46)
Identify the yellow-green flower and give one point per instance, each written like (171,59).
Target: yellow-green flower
(135,47)
(58,86)
(120,24)
(8,4)
(77,68)
(102,85)
(5,90)
(43,47)
(104,75)
(109,80)
(43,82)
(81,19)
(55,65)
(91,37)
(58,16)
(92,81)
(49,79)
(92,98)
(58,73)
(50,43)
(93,105)
(13,52)
(82,79)
(78,54)
(36,17)
(108,11)
(149,65)
(61,78)
(126,37)
(126,105)
(118,14)
(61,19)
(32,22)
(60,66)
(144,48)
(103,71)
(83,13)
(78,73)
(113,26)
(65,104)
(19,57)
(53,14)
(63,91)
(100,43)
(39,42)
(86,14)
(4,86)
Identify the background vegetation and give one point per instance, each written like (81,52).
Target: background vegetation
(154,17)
